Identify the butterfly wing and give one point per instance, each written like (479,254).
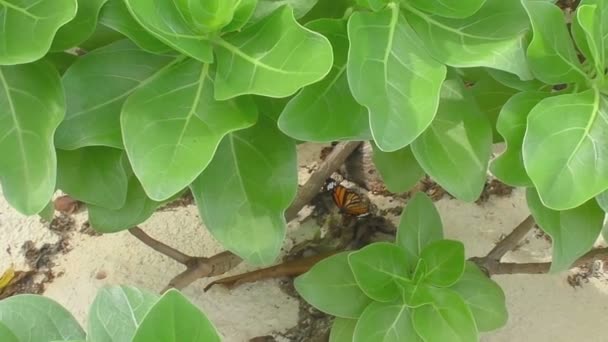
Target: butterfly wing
(354,205)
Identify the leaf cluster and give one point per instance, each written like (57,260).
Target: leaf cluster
(417,289)
(118,313)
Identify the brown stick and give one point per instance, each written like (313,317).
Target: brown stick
(543,267)
(159,246)
(286,269)
(333,161)
(510,241)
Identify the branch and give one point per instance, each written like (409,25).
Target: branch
(510,241)
(308,191)
(159,246)
(543,267)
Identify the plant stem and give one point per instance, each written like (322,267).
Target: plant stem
(510,241)
(159,246)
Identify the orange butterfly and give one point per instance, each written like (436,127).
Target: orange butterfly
(348,201)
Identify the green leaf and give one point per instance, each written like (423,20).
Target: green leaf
(563,149)
(551,55)
(31,107)
(385,322)
(416,293)
(80,28)
(242,14)
(587,31)
(511,124)
(448,319)
(420,224)
(326,111)
(399,169)
(602,200)
(385,60)
(376,268)
(449,9)
(93,113)
(48,212)
(484,297)
(29,27)
(243,193)
(94,175)
(330,286)
(37,318)
(206,16)
(162,19)
(174,319)
(137,208)
(265,8)
(61,60)
(490,96)
(456,148)
(172,126)
(375,5)
(102,36)
(116,16)
(573,232)
(117,312)
(274,58)
(602,11)
(512,81)
(493,37)
(342,330)
(444,261)
(6,335)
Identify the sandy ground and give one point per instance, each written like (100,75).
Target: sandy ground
(541,307)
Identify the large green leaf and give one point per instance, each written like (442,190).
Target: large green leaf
(511,124)
(399,169)
(115,15)
(80,28)
(484,297)
(390,73)
(31,107)
(492,37)
(326,111)
(274,57)
(564,148)
(385,322)
(512,81)
(456,148)
(447,319)
(116,313)
(331,287)
(243,193)
(172,126)
(163,19)
(551,54)
(174,319)
(93,111)
(94,175)
(29,27)
(444,260)
(377,266)
(33,318)
(573,232)
(342,330)
(587,30)
(420,224)
(137,208)
(449,9)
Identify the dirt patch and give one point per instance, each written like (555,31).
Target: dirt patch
(494,187)
(40,260)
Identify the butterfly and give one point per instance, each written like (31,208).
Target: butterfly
(348,201)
